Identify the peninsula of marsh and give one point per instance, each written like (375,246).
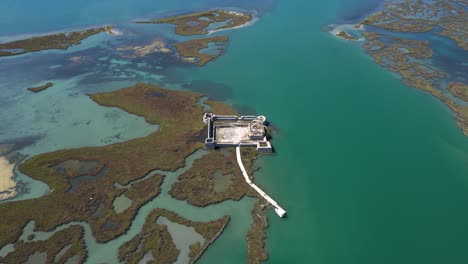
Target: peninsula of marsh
(203,23)
(59,41)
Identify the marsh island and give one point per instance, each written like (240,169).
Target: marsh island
(203,22)
(86,182)
(41,88)
(401,38)
(345,35)
(60,41)
(191,50)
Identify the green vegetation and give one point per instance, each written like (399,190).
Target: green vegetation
(155,238)
(61,41)
(345,35)
(191,49)
(72,236)
(196,23)
(40,88)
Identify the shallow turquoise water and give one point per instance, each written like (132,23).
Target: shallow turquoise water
(182,236)
(369,170)
(233,235)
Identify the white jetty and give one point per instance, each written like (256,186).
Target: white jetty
(244,131)
(280,211)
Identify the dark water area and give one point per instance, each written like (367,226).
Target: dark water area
(447,56)
(243,109)
(450,58)
(11,148)
(83,179)
(99,64)
(216,91)
(355,11)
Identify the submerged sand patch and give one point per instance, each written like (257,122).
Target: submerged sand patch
(143,50)
(7,184)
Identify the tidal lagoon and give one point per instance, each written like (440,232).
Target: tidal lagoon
(369,170)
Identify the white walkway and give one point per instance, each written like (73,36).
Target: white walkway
(280,211)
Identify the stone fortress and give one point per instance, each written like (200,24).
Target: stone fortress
(232,131)
(244,131)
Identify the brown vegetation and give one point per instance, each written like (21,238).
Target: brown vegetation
(61,41)
(422,16)
(71,236)
(459,90)
(196,186)
(91,197)
(409,58)
(40,88)
(191,49)
(196,23)
(256,252)
(345,35)
(155,238)
(82,181)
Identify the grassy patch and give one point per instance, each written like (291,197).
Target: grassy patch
(72,236)
(196,23)
(196,186)
(180,134)
(41,88)
(345,35)
(61,41)
(179,116)
(191,49)
(155,238)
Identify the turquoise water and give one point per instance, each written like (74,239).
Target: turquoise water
(233,235)
(182,236)
(369,170)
